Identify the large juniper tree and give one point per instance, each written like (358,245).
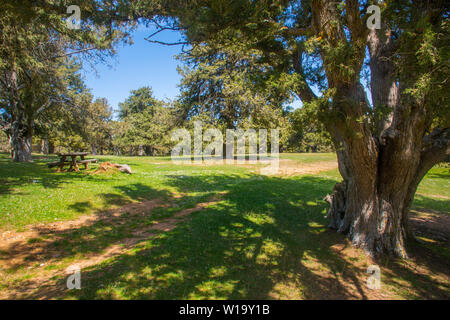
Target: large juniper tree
(381,93)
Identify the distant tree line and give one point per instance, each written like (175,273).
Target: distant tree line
(142,126)
(381,94)
(46,107)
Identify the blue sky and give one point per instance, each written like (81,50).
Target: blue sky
(137,65)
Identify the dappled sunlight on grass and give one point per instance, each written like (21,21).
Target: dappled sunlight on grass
(264,237)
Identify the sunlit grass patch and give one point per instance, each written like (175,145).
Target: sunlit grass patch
(261,237)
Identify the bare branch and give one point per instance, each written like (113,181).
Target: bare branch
(167,43)
(74,52)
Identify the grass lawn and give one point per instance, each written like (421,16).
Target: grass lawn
(171,231)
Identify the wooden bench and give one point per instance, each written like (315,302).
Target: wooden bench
(73,162)
(61,164)
(88,161)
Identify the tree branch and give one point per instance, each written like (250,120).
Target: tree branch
(384,90)
(168,43)
(435,147)
(304,91)
(73,52)
(355,23)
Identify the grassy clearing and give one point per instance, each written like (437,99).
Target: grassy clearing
(434,190)
(265,237)
(31,193)
(308,157)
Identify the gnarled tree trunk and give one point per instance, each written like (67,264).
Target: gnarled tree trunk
(385,148)
(20,141)
(380,177)
(21,125)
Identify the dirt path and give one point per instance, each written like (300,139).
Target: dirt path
(286,167)
(19,252)
(292,168)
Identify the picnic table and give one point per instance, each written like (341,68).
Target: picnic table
(71,159)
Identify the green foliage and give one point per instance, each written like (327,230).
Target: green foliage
(309,134)
(97,127)
(232,84)
(139,100)
(4,143)
(144,125)
(38,61)
(285,40)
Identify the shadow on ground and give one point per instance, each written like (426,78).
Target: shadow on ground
(267,239)
(15,174)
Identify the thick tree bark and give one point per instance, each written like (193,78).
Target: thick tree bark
(149,150)
(382,148)
(51,147)
(371,206)
(21,148)
(21,128)
(20,141)
(372,219)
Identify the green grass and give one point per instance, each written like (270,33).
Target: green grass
(233,250)
(31,193)
(265,238)
(434,190)
(309,157)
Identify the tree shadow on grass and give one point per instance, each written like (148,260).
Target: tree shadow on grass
(92,233)
(15,174)
(426,203)
(266,240)
(437,175)
(126,194)
(81,206)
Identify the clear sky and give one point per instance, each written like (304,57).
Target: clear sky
(137,65)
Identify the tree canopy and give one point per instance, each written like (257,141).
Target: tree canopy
(380,93)
(37,48)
